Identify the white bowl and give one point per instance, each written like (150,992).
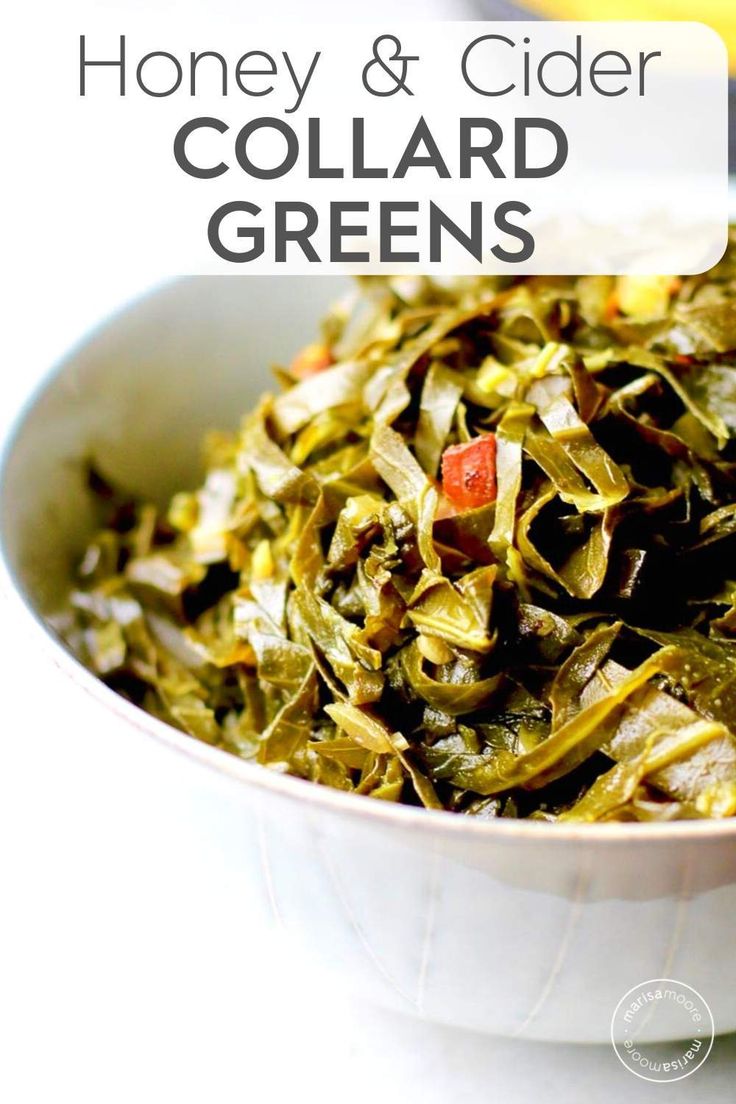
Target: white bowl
(517,928)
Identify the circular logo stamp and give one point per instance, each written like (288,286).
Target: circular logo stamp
(666,1009)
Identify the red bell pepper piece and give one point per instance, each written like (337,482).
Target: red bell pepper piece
(469,472)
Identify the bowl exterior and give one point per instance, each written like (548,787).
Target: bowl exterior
(503,936)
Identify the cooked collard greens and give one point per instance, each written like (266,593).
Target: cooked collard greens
(478,553)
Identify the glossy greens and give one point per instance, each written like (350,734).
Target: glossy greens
(553,636)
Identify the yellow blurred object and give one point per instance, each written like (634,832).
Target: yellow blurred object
(719,14)
(262,562)
(645,297)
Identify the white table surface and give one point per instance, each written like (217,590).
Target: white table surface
(112,965)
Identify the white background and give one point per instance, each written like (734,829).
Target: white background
(113,961)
